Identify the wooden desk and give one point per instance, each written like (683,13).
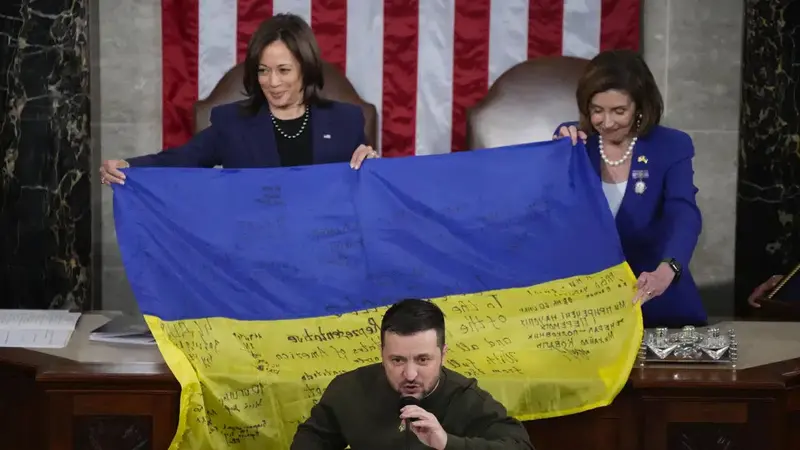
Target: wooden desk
(88,396)
(93,396)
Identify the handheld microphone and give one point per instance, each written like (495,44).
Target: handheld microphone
(406,401)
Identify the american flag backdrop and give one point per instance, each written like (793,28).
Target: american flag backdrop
(422,63)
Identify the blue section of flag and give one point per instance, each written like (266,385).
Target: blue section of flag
(266,244)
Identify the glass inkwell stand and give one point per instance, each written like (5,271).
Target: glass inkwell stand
(689,346)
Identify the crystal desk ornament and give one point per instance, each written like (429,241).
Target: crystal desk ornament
(689,346)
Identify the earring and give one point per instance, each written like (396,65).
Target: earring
(638,121)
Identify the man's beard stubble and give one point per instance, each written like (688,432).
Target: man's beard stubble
(426,392)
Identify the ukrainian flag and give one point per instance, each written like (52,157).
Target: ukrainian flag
(261,285)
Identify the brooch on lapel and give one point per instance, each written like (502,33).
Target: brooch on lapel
(639,175)
(642,159)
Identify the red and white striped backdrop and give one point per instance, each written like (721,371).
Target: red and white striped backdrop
(420,62)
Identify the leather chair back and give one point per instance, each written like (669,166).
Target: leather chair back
(337,87)
(526,103)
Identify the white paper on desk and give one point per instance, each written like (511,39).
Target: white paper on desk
(36,328)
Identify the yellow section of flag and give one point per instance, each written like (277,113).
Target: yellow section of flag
(553,349)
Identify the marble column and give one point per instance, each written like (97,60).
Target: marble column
(768,204)
(45,193)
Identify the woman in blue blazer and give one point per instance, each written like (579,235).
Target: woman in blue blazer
(284,121)
(645,171)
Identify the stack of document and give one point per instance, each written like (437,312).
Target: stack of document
(124,330)
(36,328)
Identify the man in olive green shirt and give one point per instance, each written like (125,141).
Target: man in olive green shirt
(362,408)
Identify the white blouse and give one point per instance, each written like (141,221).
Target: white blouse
(614,193)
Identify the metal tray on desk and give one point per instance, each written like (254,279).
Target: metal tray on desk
(689,346)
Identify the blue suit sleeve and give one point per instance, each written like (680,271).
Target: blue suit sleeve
(360,123)
(683,219)
(201,151)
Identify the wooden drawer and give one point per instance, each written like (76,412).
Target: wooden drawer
(111,420)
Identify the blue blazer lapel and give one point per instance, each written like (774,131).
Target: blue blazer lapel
(322,135)
(262,136)
(592,147)
(628,200)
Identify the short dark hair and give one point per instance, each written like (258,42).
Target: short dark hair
(411,316)
(295,32)
(623,70)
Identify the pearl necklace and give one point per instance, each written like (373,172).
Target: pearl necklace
(299,132)
(619,161)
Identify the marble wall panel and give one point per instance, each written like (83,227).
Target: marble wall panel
(45,200)
(768,201)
